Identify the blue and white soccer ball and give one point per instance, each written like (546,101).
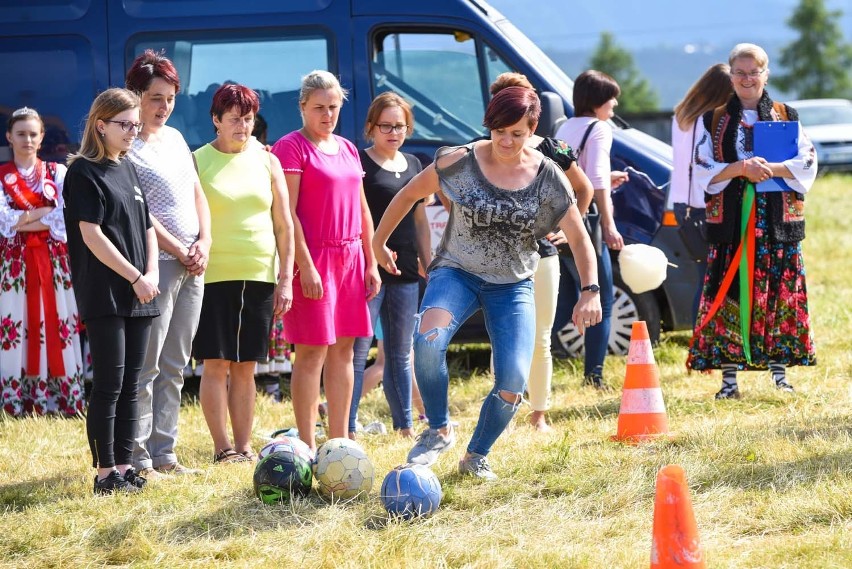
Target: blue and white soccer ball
(411,490)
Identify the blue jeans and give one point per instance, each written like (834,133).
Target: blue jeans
(596,339)
(509,311)
(396,305)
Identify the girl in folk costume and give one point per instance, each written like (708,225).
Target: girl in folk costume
(753,313)
(41,367)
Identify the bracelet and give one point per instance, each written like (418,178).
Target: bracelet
(137,279)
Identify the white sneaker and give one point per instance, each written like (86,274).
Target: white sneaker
(430,444)
(376,428)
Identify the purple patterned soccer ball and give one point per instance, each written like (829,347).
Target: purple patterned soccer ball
(290,444)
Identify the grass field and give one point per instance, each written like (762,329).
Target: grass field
(770,475)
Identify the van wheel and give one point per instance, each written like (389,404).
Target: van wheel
(627,307)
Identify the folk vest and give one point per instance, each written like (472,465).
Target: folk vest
(784,210)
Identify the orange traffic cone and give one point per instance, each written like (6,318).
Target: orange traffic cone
(643,413)
(675,541)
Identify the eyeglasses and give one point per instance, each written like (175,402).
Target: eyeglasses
(387,128)
(742,75)
(127,125)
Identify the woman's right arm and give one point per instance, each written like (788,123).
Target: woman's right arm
(309,277)
(582,187)
(423,184)
(103,249)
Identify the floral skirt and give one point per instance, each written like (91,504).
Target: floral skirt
(39,394)
(780,323)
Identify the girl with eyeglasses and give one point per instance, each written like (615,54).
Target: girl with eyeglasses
(113,250)
(41,366)
(387,170)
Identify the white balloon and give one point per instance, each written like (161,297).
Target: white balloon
(643,267)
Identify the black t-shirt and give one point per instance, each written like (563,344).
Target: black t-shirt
(107,194)
(380,187)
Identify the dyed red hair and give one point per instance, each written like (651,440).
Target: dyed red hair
(148,66)
(232,95)
(511,105)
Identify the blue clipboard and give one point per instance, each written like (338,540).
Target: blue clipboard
(776,141)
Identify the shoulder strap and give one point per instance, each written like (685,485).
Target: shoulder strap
(586,137)
(781,110)
(692,156)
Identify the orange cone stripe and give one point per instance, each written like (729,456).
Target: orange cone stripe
(642,401)
(640,376)
(640,352)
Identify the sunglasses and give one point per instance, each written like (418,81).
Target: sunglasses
(127,125)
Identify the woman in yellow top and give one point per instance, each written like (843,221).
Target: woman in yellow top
(251,221)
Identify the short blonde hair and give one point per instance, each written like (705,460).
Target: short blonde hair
(316,80)
(749,50)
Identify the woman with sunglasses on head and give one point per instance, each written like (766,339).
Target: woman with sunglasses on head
(181,219)
(753,313)
(113,250)
(41,365)
(387,170)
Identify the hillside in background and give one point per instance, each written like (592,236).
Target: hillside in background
(672,42)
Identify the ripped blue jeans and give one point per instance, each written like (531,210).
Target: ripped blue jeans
(509,311)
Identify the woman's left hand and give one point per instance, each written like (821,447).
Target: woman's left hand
(283,296)
(198,257)
(372,281)
(587,311)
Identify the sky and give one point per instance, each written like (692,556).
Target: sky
(672,41)
(649,23)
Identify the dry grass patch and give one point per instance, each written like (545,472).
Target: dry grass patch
(770,476)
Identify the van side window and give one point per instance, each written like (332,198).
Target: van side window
(440,74)
(55,76)
(271,66)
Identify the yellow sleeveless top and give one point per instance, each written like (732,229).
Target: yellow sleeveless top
(239,190)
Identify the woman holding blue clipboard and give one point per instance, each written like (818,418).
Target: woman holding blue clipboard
(755,165)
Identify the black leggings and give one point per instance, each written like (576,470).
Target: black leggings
(118,346)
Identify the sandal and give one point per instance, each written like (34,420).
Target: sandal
(249,455)
(228,455)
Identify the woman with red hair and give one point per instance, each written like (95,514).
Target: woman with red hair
(251,222)
(181,219)
(503,196)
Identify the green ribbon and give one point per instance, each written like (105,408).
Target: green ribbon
(745,270)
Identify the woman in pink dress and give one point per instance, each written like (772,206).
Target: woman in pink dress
(335,272)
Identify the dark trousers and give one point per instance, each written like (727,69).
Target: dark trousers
(118,346)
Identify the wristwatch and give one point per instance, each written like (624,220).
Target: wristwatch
(591,288)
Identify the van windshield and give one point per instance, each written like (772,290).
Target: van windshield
(539,60)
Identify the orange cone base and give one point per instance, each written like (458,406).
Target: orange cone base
(636,439)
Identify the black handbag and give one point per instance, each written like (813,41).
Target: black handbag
(692,230)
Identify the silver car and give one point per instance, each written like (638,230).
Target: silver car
(828,123)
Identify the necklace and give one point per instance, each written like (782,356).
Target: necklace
(32,177)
